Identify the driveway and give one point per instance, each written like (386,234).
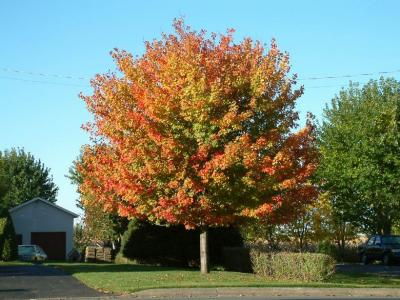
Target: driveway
(37,281)
(378,269)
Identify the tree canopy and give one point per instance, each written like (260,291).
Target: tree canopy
(198,131)
(360,154)
(23,178)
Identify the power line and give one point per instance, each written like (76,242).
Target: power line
(41,74)
(88,86)
(43,82)
(329,85)
(349,76)
(68,77)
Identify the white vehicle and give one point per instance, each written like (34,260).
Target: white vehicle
(31,253)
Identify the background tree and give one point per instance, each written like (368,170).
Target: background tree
(262,234)
(8,244)
(23,178)
(329,225)
(316,223)
(98,225)
(198,131)
(360,155)
(80,242)
(3,181)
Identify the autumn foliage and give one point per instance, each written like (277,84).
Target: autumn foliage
(198,131)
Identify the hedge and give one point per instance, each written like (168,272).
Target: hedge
(8,244)
(304,267)
(237,259)
(174,245)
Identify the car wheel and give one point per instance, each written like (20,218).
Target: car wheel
(386,260)
(364,259)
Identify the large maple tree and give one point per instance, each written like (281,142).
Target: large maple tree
(199,131)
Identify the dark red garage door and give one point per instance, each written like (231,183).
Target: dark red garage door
(53,243)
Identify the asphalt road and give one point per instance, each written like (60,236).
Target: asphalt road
(270,298)
(37,281)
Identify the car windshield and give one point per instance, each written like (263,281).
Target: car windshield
(394,240)
(40,250)
(26,250)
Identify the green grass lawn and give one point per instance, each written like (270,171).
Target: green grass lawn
(130,278)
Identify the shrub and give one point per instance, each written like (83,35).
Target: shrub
(8,244)
(120,259)
(326,247)
(174,245)
(303,267)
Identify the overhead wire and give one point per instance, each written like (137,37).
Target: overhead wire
(349,76)
(42,74)
(82,78)
(44,82)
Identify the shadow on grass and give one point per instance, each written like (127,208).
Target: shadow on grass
(13,290)
(73,268)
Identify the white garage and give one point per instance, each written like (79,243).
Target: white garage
(46,224)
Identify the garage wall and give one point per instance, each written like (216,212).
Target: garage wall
(41,217)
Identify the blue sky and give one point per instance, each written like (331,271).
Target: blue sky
(43,113)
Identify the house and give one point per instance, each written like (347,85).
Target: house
(46,224)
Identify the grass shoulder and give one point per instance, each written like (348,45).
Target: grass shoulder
(128,278)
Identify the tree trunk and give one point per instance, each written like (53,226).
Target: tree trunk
(204,266)
(343,238)
(387,227)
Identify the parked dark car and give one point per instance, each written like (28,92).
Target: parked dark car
(385,248)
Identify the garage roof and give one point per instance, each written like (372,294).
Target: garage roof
(45,201)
